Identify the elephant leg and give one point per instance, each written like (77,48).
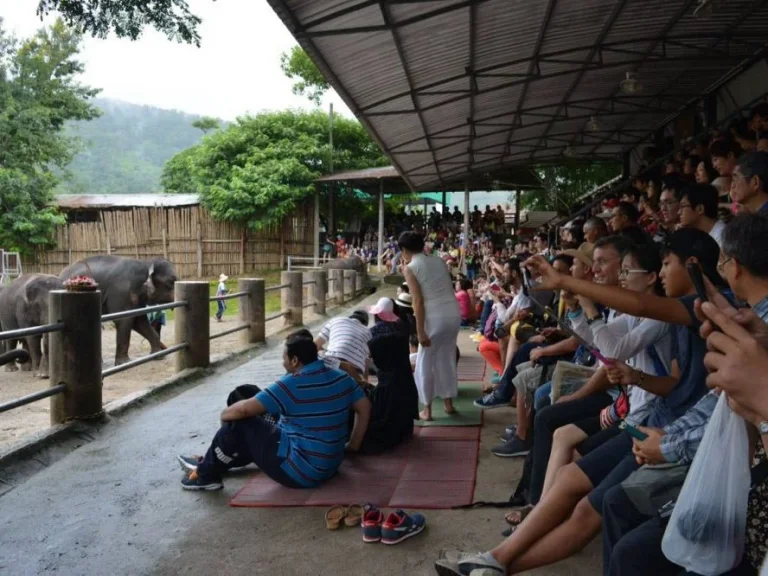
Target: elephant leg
(123,340)
(10,346)
(42,371)
(142,326)
(26,366)
(33,343)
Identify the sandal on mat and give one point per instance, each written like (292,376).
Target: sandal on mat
(333,517)
(354,515)
(515,517)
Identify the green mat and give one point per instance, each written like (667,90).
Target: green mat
(468,413)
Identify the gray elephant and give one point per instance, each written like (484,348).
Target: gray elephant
(352,263)
(126,284)
(24,304)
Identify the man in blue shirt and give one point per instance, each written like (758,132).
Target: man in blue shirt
(307,445)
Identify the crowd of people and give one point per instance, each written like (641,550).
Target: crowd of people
(616,347)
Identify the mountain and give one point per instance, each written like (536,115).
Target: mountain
(126,148)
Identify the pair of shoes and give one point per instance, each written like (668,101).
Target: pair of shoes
(194,482)
(190,463)
(509,432)
(469,564)
(516,446)
(350,515)
(491,400)
(397,527)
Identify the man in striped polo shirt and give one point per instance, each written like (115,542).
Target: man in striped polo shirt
(345,343)
(307,445)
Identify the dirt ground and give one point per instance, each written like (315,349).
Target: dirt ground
(17,423)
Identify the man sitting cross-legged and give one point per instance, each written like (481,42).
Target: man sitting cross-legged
(307,445)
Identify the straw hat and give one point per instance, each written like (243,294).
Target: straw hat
(583,253)
(223,277)
(405,300)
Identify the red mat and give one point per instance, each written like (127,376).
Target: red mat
(471,369)
(436,469)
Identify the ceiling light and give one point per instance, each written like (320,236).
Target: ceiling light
(593,125)
(630,84)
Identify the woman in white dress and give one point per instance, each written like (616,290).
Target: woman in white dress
(437,323)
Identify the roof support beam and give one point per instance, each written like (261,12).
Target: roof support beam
(407,71)
(473,87)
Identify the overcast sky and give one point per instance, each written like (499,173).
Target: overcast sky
(236,69)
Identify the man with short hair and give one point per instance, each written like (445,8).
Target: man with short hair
(307,445)
(594,229)
(542,244)
(749,187)
(669,202)
(625,215)
(345,341)
(724,153)
(698,209)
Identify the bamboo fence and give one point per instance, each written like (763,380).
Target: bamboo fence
(197,245)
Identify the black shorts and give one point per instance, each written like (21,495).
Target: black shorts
(589,426)
(597,438)
(608,465)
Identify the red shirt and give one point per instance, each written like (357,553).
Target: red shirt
(463,297)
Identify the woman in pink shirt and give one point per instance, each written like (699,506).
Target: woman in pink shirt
(464,297)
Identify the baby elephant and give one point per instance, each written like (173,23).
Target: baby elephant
(24,304)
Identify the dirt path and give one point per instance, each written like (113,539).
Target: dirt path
(20,422)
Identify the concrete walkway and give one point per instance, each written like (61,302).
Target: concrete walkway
(115,505)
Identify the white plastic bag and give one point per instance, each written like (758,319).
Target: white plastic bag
(707,528)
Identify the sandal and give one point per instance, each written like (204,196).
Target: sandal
(354,515)
(507,532)
(515,517)
(333,517)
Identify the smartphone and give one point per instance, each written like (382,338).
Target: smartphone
(697,278)
(632,431)
(526,281)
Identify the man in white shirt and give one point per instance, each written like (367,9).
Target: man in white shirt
(698,209)
(345,342)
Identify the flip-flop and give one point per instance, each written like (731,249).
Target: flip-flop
(521,514)
(354,515)
(333,517)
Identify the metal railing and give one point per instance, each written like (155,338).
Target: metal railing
(79,374)
(295,263)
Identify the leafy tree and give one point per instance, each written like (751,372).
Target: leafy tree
(308,81)
(38,95)
(206,123)
(127,18)
(564,184)
(260,168)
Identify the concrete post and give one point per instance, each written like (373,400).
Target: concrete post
(316,226)
(358,282)
(252,309)
(75,354)
(319,290)
(193,325)
(291,298)
(349,283)
(338,286)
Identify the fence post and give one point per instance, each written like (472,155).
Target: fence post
(252,309)
(358,282)
(75,354)
(337,275)
(319,289)
(291,297)
(193,325)
(349,283)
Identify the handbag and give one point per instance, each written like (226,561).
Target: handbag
(649,488)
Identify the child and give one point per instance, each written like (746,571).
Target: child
(221,290)
(463,295)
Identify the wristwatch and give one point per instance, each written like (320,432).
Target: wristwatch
(763,427)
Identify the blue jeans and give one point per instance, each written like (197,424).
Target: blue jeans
(542,396)
(506,387)
(487,309)
(221,307)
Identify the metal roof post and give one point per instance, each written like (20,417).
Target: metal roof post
(380,253)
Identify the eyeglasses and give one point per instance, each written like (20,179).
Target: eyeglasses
(627,271)
(722,263)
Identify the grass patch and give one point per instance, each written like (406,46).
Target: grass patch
(272,299)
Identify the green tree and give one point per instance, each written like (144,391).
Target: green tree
(38,95)
(261,167)
(565,183)
(307,79)
(127,18)
(206,123)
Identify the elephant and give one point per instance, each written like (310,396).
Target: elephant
(126,284)
(24,304)
(352,263)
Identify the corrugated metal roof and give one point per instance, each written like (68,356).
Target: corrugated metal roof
(106,201)
(457,88)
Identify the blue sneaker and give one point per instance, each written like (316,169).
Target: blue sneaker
(196,482)
(373,518)
(189,463)
(495,379)
(400,526)
(491,400)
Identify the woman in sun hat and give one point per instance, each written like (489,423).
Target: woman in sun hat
(221,289)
